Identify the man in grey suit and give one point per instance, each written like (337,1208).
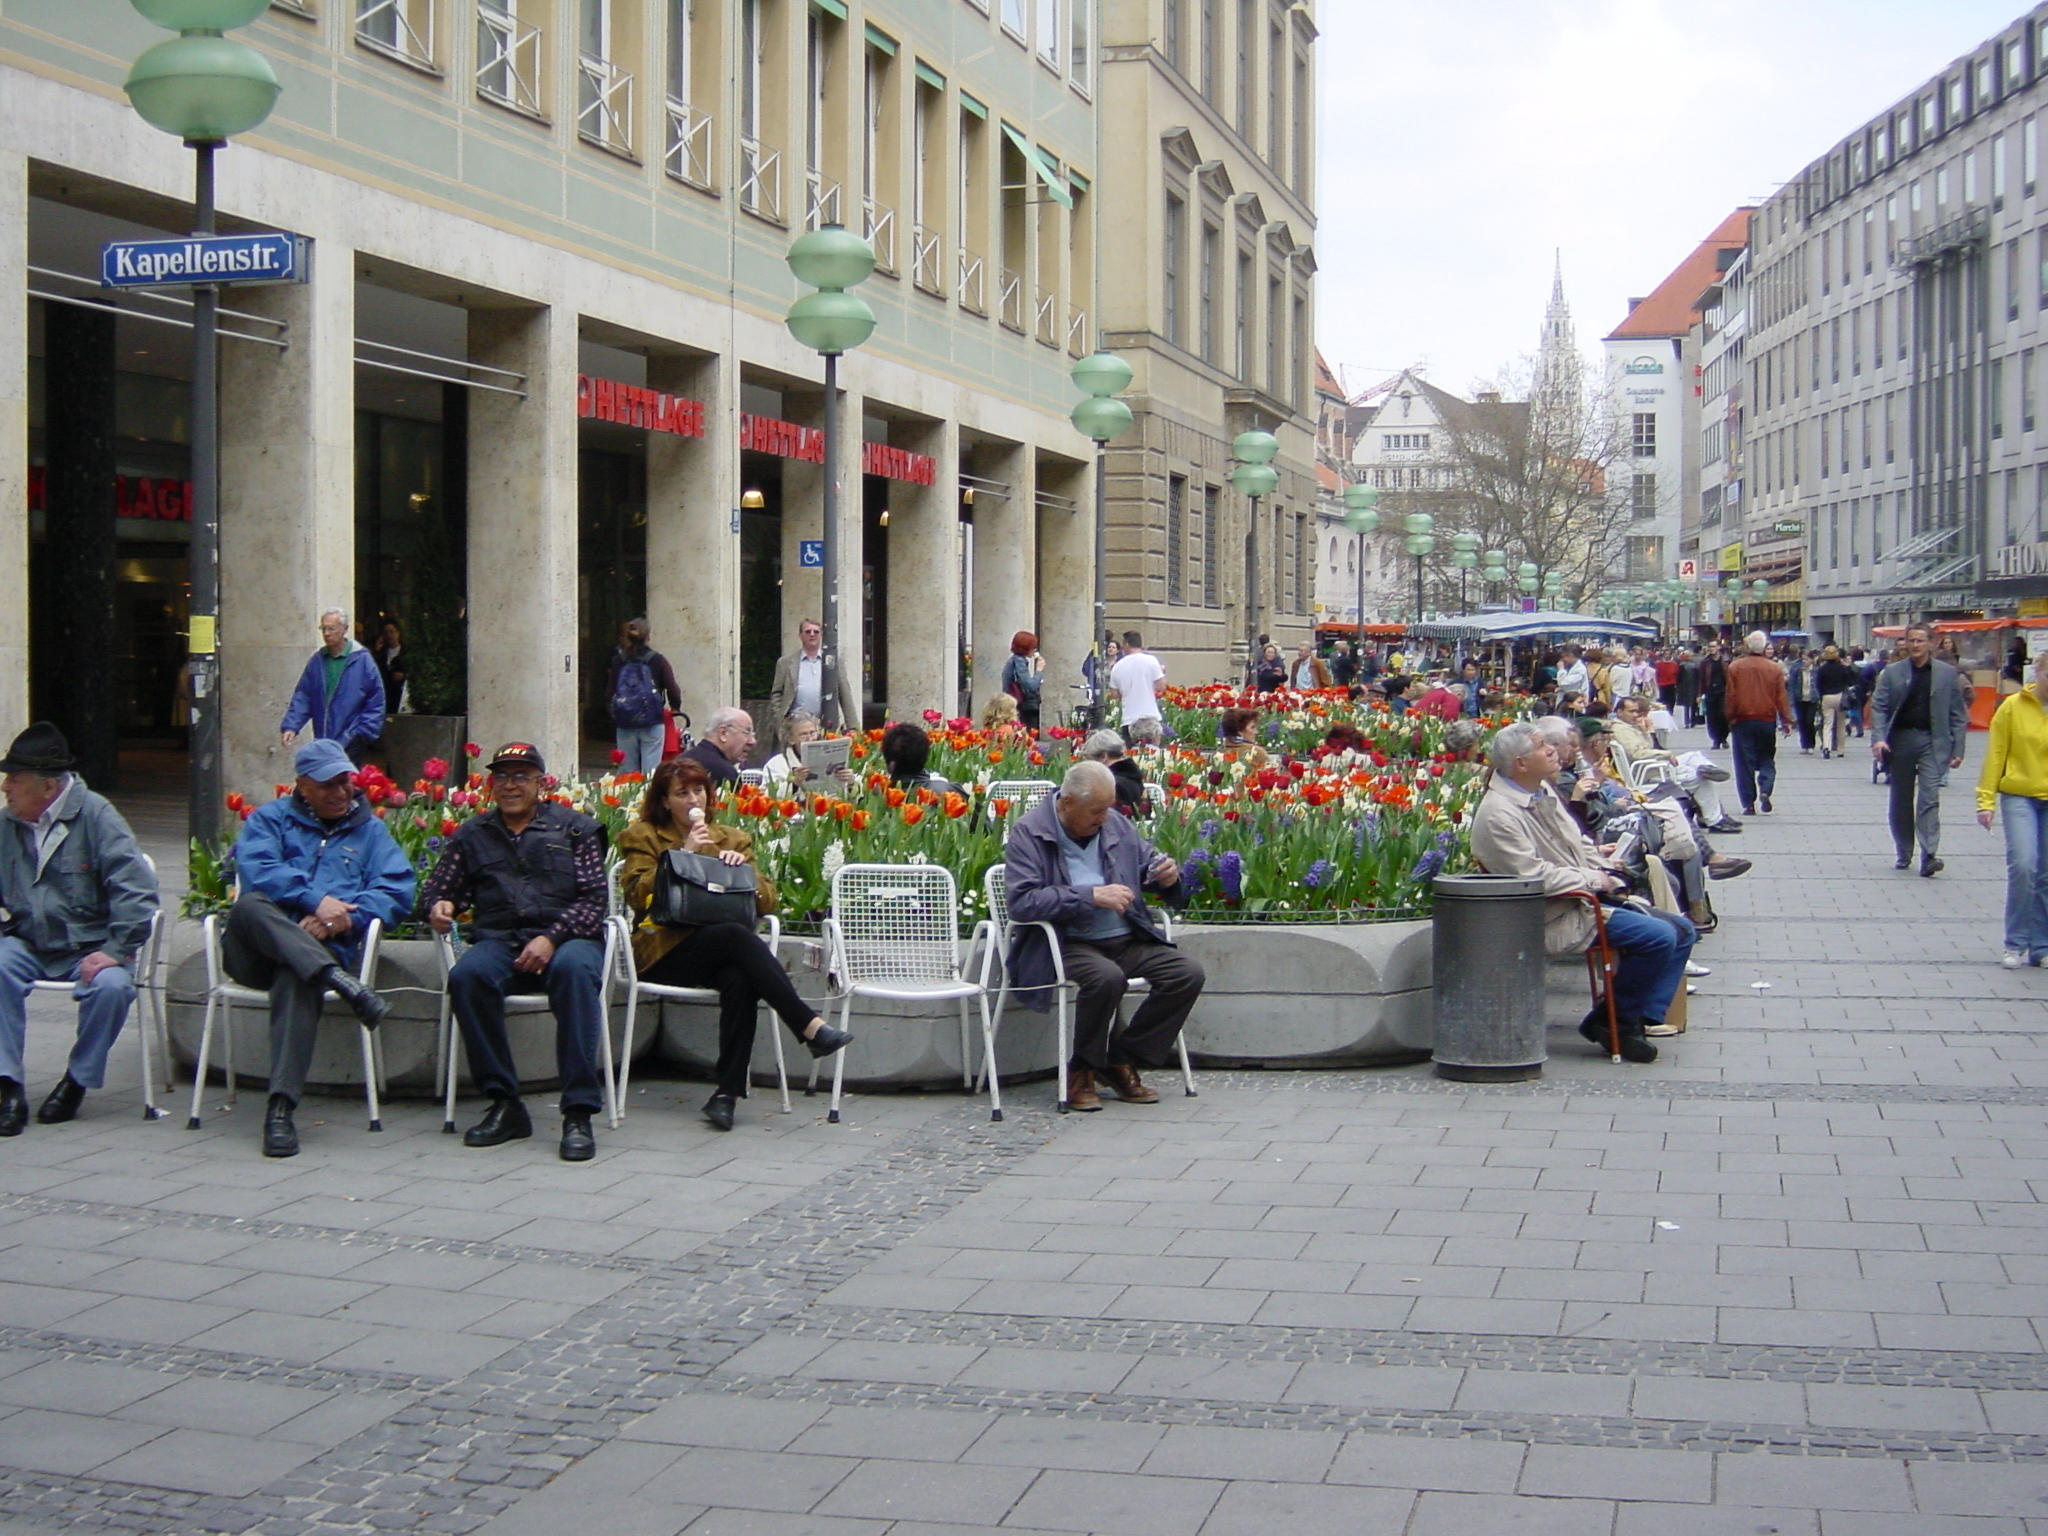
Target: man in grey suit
(1919,722)
(813,683)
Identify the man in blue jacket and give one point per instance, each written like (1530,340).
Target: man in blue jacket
(314,868)
(340,694)
(1074,861)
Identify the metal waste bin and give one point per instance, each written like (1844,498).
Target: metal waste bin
(1487,979)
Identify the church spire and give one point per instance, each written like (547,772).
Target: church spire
(1560,374)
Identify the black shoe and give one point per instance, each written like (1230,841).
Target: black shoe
(828,1039)
(1634,1047)
(362,1001)
(1727,826)
(1716,773)
(1903,860)
(1749,810)
(1930,867)
(506,1120)
(1763,803)
(13,1108)
(1728,870)
(718,1110)
(62,1103)
(280,1136)
(578,1145)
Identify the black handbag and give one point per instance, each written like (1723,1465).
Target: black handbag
(694,890)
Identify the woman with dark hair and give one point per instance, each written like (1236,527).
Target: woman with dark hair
(1238,728)
(1024,676)
(905,751)
(1271,672)
(730,958)
(389,654)
(639,683)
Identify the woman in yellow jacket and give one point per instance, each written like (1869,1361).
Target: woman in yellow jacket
(730,958)
(2014,787)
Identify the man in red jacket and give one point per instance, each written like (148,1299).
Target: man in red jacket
(1756,699)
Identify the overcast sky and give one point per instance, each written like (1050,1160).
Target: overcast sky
(1465,143)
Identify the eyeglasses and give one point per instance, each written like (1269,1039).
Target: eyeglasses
(526,776)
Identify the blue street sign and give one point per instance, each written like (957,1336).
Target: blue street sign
(205,259)
(810,552)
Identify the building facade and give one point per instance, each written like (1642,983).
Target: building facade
(1897,290)
(539,379)
(1207,289)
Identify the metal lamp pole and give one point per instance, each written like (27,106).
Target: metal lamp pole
(1361,516)
(1255,476)
(1101,416)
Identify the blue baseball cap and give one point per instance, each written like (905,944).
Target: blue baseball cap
(322,759)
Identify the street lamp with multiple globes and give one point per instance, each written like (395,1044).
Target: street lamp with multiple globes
(1493,568)
(1255,476)
(1464,555)
(1361,516)
(205,88)
(1101,377)
(1419,543)
(830,321)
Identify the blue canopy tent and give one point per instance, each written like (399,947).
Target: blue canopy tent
(1552,624)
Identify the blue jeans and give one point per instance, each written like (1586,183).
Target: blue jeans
(642,746)
(1653,948)
(102,1008)
(2026,873)
(1756,759)
(574,983)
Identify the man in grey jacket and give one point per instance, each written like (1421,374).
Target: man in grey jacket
(808,680)
(1074,861)
(1919,722)
(79,897)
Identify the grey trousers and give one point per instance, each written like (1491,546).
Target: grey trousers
(1917,778)
(264,947)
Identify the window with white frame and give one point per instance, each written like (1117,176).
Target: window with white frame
(508,52)
(404,29)
(1643,435)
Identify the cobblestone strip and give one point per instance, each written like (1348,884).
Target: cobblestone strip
(1847,1365)
(1535,1428)
(449,1462)
(148,1217)
(220,1364)
(1621,1086)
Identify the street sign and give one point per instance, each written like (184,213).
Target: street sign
(205,259)
(810,552)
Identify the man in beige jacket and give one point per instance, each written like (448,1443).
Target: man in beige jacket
(1521,828)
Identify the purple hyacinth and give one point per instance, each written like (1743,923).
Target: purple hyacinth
(1427,866)
(1231,872)
(1316,874)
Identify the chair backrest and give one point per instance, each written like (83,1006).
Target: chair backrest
(1155,794)
(897,922)
(753,778)
(1021,793)
(995,888)
(614,896)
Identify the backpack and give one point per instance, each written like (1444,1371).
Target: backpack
(636,702)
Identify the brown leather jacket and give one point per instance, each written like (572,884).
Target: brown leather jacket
(1756,690)
(641,846)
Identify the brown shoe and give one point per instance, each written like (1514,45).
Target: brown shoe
(1081,1092)
(1125,1084)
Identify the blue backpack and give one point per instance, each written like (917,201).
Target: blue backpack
(636,701)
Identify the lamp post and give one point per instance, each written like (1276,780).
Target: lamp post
(1361,516)
(1419,543)
(830,321)
(1464,555)
(1494,568)
(1255,476)
(1101,416)
(205,88)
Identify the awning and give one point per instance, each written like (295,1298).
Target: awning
(832,7)
(1042,165)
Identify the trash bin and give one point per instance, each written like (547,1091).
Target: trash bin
(1487,978)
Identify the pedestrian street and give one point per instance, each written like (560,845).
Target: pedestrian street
(1789,1278)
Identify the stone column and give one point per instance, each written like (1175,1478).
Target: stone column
(803,517)
(1066,580)
(287,507)
(924,577)
(693,569)
(522,536)
(852,602)
(1005,562)
(13,442)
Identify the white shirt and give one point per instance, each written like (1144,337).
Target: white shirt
(1137,678)
(1574,679)
(810,684)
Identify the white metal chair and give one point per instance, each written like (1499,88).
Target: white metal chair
(224,995)
(661,992)
(894,934)
(1155,794)
(149,1002)
(528,1002)
(995,886)
(1021,793)
(754,778)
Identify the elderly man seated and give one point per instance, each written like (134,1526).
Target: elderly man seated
(1697,774)
(78,897)
(1074,863)
(1521,828)
(314,867)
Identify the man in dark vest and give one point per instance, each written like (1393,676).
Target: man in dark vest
(532,871)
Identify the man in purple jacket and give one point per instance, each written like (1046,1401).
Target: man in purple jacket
(1077,863)
(340,694)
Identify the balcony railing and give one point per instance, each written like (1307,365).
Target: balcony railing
(925,259)
(1077,333)
(604,104)
(879,227)
(973,282)
(508,59)
(404,29)
(1047,315)
(821,200)
(689,144)
(761,180)
(1010,300)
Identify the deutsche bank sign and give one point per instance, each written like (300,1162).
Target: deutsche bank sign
(205,259)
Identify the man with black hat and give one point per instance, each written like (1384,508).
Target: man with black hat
(79,897)
(314,867)
(532,871)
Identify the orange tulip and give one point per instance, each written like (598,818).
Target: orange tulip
(894,796)
(1000,806)
(860,821)
(956,806)
(912,815)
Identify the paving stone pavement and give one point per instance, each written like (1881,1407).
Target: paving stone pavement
(1789,1279)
